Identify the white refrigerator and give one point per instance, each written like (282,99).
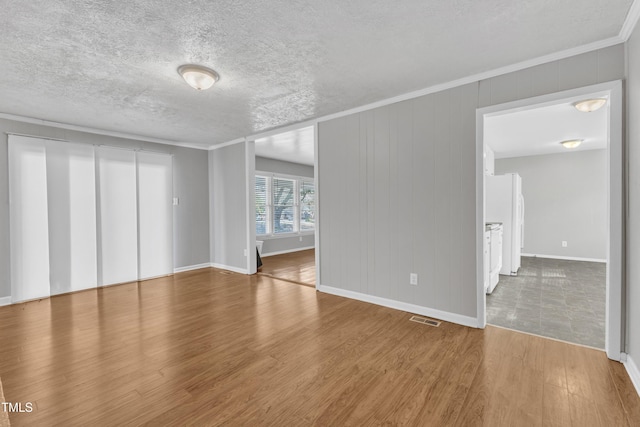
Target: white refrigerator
(504,203)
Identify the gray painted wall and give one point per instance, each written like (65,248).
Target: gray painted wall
(565,199)
(410,202)
(633,197)
(278,166)
(228,206)
(191,216)
(281,244)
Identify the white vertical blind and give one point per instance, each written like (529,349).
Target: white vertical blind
(71,194)
(283,205)
(118,230)
(82,216)
(29,231)
(263,216)
(155,214)
(307,205)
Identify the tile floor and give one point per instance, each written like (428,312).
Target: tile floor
(553,298)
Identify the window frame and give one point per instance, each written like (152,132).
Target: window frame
(270,234)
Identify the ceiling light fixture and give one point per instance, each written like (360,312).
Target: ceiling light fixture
(197,76)
(589,105)
(571,143)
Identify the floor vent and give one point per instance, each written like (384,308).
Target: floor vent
(425,321)
(225,272)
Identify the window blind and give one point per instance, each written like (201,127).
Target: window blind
(262,206)
(283,205)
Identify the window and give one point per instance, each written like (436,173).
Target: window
(262,205)
(307,205)
(284,205)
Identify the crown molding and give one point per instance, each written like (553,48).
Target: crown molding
(95,131)
(578,50)
(226,144)
(631,21)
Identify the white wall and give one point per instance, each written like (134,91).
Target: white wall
(228,206)
(633,200)
(191,216)
(565,199)
(397,187)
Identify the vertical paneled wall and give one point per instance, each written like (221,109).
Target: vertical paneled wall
(589,68)
(398,197)
(227,192)
(397,186)
(633,201)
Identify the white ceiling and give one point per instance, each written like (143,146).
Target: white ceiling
(294,146)
(111,65)
(540,130)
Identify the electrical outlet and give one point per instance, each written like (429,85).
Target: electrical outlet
(245,252)
(301,238)
(564,243)
(176,201)
(413,279)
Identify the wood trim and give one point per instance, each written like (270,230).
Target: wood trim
(287,251)
(634,373)
(192,267)
(403,306)
(229,267)
(568,258)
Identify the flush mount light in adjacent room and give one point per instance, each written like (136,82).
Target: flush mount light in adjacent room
(571,143)
(197,76)
(590,105)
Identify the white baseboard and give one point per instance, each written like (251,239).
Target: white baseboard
(634,373)
(230,268)
(5,301)
(191,267)
(287,251)
(567,258)
(399,305)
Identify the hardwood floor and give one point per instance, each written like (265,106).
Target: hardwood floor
(297,267)
(209,347)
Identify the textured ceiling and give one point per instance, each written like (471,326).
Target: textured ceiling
(295,146)
(111,65)
(540,130)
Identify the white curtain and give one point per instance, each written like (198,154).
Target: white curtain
(118,252)
(29,230)
(82,216)
(155,214)
(71,200)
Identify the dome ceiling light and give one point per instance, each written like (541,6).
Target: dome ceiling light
(590,105)
(571,143)
(197,76)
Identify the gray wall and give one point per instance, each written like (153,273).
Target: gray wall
(282,244)
(565,199)
(409,205)
(278,166)
(633,197)
(228,206)
(191,216)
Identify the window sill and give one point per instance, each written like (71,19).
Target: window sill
(284,235)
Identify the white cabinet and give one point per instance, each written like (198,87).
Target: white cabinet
(493,256)
(487,259)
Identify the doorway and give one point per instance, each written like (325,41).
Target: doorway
(285,205)
(613,240)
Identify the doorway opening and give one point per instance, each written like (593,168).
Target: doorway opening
(285,205)
(556,215)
